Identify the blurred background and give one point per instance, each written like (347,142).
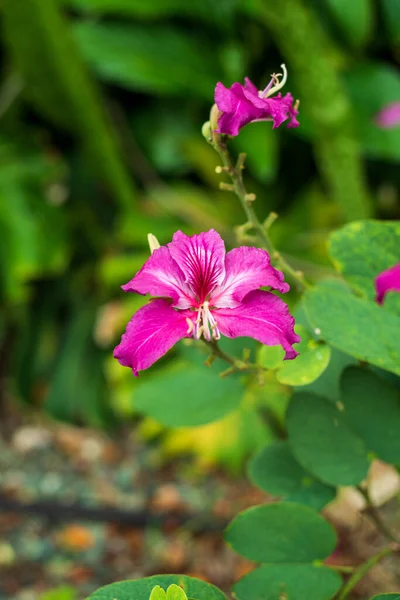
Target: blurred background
(101,108)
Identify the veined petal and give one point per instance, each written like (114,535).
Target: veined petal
(201,259)
(237,110)
(262,316)
(161,276)
(247,269)
(151,332)
(387,281)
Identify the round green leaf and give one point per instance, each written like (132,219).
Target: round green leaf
(271,357)
(276,471)
(188,395)
(328,384)
(372,407)
(386,597)
(354,325)
(289,581)
(323,443)
(282,532)
(362,249)
(311,362)
(140,589)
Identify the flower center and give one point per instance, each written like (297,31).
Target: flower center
(205,324)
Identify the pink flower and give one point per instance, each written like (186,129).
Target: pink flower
(389,116)
(243,104)
(387,281)
(202,291)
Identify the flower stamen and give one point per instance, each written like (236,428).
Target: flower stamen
(205,323)
(275,83)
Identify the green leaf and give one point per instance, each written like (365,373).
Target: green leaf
(328,383)
(188,395)
(372,407)
(322,441)
(206,10)
(140,589)
(174,592)
(354,325)
(386,597)
(61,593)
(279,533)
(391,15)
(77,390)
(276,471)
(289,581)
(355,19)
(312,361)
(372,86)
(158,593)
(58,84)
(363,249)
(149,59)
(270,357)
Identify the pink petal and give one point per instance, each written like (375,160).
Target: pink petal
(250,87)
(151,332)
(223,98)
(201,258)
(262,316)
(236,109)
(389,116)
(161,276)
(387,281)
(292,111)
(247,269)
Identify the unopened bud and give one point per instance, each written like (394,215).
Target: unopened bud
(215,114)
(250,197)
(153,242)
(206,131)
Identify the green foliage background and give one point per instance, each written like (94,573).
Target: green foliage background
(101,105)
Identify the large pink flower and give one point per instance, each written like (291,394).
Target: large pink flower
(243,104)
(387,281)
(204,292)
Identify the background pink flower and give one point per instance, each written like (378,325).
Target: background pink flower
(389,116)
(387,281)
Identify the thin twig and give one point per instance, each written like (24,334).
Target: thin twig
(235,174)
(237,365)
(373,513)
(363,569)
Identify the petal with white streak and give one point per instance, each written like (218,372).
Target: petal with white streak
(262,316)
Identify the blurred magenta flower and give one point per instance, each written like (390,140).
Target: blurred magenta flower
(387,281)
(202,291)
(243,104)
(389,116)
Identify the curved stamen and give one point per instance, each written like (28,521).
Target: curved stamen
(278,84)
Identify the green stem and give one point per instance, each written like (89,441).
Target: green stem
(341,568)
(363,569)
(236,364)
(246,200)
(311,59)
(373,513)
